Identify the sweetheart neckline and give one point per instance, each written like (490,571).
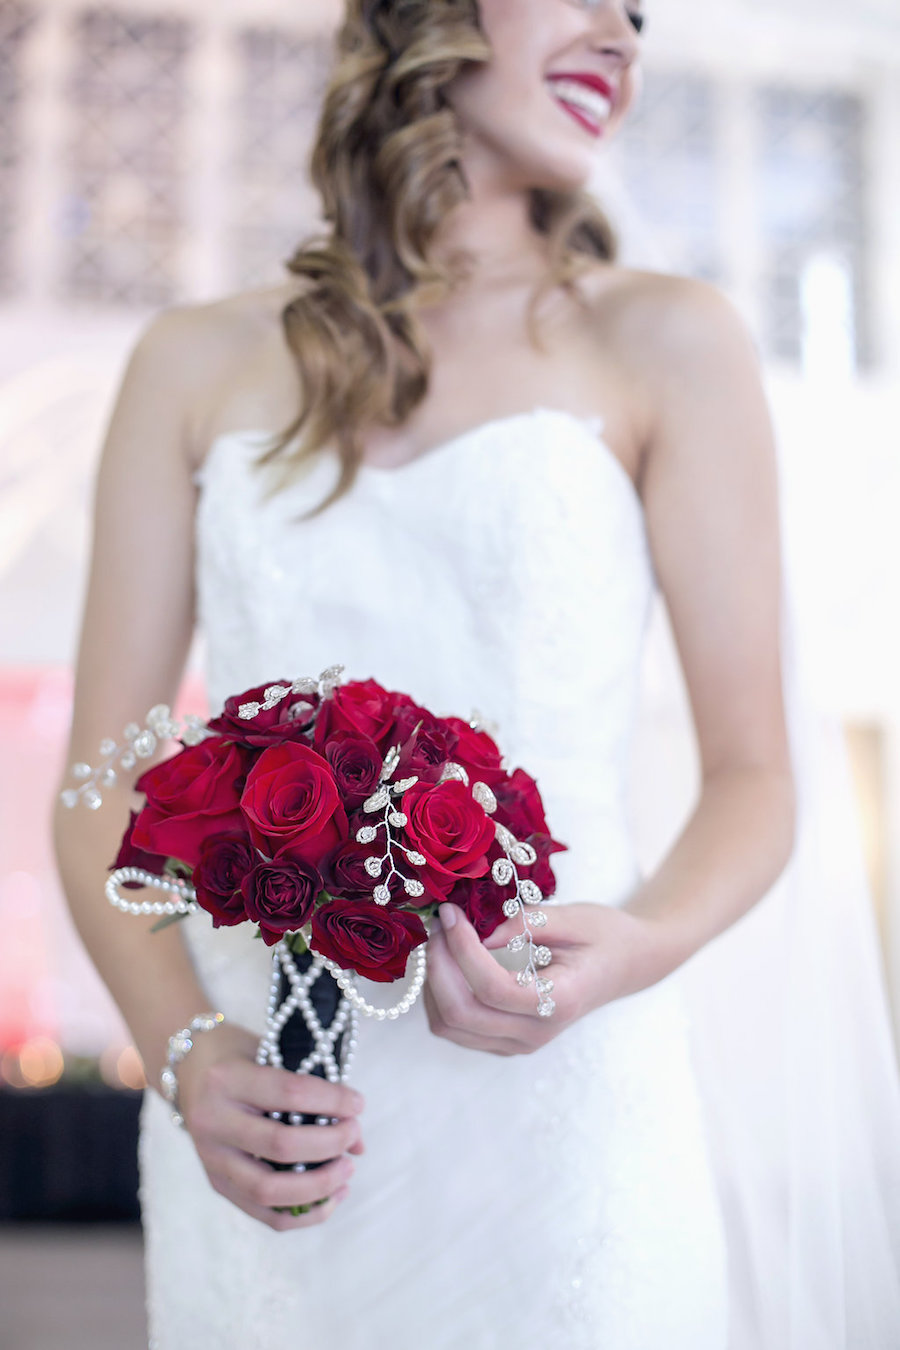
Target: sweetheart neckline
(591,424)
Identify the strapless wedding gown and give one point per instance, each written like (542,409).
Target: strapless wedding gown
(556,1201)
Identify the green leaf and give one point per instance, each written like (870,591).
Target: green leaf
(175,868)
(298,944)
(165,922)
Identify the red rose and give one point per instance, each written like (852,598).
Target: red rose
(190,796)
(426,743)
(129,856)
(292,804)
(360,706)
(481,900)
(519,805)
(225,859)
(360,936)
(451,830)
(288,720)
(344,870)
(477,753)
(280,896)
(356,763)
(541,872)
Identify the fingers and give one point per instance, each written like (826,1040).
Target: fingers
(471,1040)
(557,915)
(271,1089)
(283,1143)
(457,1014)
(268,1195)
(491,983)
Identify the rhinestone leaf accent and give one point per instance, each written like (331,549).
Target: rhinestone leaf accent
(144,744)
(452,770)
(417,859)
(365,834)
(374,866)
(530,892)
(504,837)
(523,854)
(537,919)
(517,942)
(542,956)
(525,977)
(413,887)
(502,871)
(377,801)
(390,763)
(381,895)
(511,908)
(485,798)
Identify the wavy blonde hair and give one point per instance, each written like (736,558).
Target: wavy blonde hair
(386,162)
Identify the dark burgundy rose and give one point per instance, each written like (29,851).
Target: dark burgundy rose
(481,900)
(356,763)
(280,896)
(426,744)
(541,872)
(225,860)
(344,869)
(190,796)
(519,805)
(291,803)
(477,753)
(290,718)
(449,828)
(363,706)
(361,936)
(130,856)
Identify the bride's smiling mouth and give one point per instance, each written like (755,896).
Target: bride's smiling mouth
(588,99)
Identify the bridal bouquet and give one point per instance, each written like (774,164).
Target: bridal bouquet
(334,817)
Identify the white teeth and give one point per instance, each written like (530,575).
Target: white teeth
(593,103)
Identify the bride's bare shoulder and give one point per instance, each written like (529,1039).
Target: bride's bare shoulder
(658,314)
(203,353)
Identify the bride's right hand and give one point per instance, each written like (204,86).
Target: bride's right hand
(223,1095)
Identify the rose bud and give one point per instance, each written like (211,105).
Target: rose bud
(280,896)
(225,860)
(356,764)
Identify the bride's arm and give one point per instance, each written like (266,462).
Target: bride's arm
(136,631)
(709,490)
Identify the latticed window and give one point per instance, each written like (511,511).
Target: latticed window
(282,81)
(125,159)
(668,150)
(811,194)
(16,21)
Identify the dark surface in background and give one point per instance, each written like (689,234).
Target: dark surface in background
(68,1154)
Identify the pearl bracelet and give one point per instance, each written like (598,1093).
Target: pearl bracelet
(179,1046)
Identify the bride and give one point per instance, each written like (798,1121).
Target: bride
(457,451)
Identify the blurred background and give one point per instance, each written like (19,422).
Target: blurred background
(154,153)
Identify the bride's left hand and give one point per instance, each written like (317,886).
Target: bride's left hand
(600,953)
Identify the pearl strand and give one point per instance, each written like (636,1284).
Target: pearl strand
(185,904)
